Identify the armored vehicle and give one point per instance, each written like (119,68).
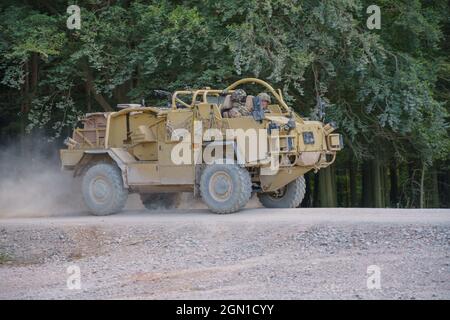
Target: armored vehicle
(189,146)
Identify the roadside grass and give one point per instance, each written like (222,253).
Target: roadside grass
(4,258)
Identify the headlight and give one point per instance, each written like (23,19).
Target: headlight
(335,142)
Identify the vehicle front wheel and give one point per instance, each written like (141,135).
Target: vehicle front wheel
(103,189)
(289,196)
(225,188)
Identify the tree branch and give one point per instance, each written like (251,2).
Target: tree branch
(91,86)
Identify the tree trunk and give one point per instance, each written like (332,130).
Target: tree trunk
(88,98)
(334,185)
(372,193)
(352,179)
(327,192)
(316,200)
(97,96)
(367,193)
(341,189)
(393,195)
(411,202)
(444,184)
(34,74)
(377,184)
(434,189)
(386,191)
(25,107)
(422,192)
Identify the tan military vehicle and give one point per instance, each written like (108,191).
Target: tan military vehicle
(190,147)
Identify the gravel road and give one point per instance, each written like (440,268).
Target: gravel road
(255,254)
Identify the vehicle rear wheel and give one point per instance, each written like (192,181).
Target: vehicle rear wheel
(290,196)
(225,188)
(103,190)
(154,201)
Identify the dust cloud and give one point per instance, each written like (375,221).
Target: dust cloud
(32,183)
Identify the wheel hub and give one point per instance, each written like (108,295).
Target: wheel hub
(220,186)
(100,189)
(278,194)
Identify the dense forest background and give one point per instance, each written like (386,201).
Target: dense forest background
(387,90)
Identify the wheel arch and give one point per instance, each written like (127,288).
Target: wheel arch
(91,157)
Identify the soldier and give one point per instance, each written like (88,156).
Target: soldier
(238,107)
(265,100)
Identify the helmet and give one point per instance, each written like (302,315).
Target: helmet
(238,95)
(264,96)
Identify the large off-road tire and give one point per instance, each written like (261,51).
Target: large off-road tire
(103,189)
(290,196)
(155,201)
(225,188)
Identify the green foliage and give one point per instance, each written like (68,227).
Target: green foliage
(382,87)
(5,258)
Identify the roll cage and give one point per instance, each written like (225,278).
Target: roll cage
(204,93)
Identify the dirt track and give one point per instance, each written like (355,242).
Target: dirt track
(254,254)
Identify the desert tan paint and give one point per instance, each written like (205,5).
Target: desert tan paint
(144,137)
